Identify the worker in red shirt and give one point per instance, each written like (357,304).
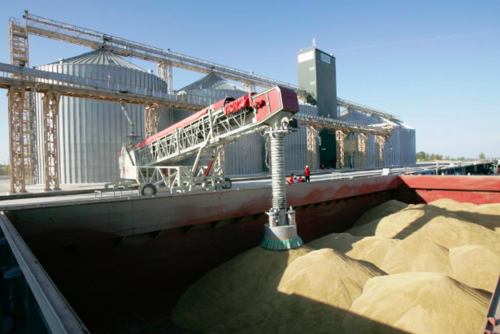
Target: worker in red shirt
(307,173)
(291,179)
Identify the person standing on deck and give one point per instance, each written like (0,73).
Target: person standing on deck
(307,173)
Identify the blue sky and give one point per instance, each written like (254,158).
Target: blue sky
(434,63)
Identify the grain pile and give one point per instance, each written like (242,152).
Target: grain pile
(412,268)
(369,249)
(487,215)
(381,211)
(417,303)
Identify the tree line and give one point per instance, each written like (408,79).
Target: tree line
(424,156)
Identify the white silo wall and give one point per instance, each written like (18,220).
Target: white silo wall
(91,132)
(399,149)
(244,156)
(296,143)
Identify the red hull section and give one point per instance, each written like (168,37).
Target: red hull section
(126,262)
(466,189)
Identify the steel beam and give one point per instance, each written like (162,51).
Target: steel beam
(152,115)
(379,157)
(312,145)
(165,72)
(50,140)
(16,140)
(362,162)
(42,81)
(341,136)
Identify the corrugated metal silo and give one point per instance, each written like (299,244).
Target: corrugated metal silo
(296,143)
(91,132)
(244,156)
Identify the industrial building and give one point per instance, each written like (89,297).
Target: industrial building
(128,259)
(73,137)
(92,132)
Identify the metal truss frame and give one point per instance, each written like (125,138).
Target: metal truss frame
(210,130)
(340,136)
(51,150)
(379,157)
(152,115)
(362,161)
(165,72)
(165,59)
(312,145)
(316,123)
(17,113)
(52,29)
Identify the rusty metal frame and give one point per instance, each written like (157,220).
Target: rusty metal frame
(312,146)
(316,123)
(16,142)
(165,72)
(341,136)
(362,162)
(379,157)
(50,140)
(152,115)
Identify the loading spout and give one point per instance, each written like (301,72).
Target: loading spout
(281,231)
(130,121)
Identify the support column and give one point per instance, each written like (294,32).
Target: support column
(50,140)
(152,119)
(362,152)
(165,72)
(312,155)
(249,87)
(221,158)
(16,140)
(281,231)
(19,56)
(341,136)
(379,157)
(33,147)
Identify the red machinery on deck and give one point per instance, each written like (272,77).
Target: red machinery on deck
(148,163)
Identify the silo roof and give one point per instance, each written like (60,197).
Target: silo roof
(211,81)
(101,57)
(357,117)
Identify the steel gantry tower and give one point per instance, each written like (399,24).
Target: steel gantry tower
(22,117)
(22,82)
(22,141)
(342,129)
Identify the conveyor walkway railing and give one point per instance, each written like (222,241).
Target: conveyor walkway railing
(69,85)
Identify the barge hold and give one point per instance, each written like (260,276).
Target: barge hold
(122,263)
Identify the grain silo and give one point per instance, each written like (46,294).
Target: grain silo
(244,156)
(92,132)
(399,150)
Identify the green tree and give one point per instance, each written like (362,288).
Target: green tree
(482,156)
(421,155)
(432,157)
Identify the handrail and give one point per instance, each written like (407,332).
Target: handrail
(58,315)
(33,76)
(53,29)
(330,123)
